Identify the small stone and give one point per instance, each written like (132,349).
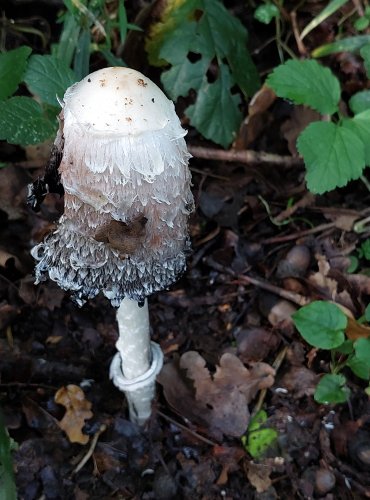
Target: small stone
(324,481)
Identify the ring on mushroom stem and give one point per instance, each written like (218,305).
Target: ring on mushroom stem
(123,167)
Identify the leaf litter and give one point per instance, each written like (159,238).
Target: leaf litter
(220,335)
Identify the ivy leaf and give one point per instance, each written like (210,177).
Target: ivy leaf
(306,82)
(332,389)
(48,77)
(333,155)
(321,324)
(360,102)
(22,122)
(215,113)
(12,67)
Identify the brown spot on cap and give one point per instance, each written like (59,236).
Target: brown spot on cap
(89,80)
(102,83)
(141,82)
(128,119)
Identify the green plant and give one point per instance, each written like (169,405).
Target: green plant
(7,445)
(336,149)
(204,49)
(323,325)
(87,27)
(259,438)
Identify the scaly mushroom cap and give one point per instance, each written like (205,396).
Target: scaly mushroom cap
(127,190)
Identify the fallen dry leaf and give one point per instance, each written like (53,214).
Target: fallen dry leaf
(78,410)
(355,331)
(259,476)
(13,182)
(219,402)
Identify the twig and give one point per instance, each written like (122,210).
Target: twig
(186,429)
(294,297)
(300,45)
(276,365)
(91,449)
(244,156)
(300,234)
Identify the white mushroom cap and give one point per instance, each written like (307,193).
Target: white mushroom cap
(127,190)
(118,101)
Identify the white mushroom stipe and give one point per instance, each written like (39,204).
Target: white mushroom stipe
(124,170)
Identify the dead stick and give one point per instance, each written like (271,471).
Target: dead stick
(186,429)
(244,156)
(91,449)
(300,234)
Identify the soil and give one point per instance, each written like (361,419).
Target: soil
(262,247)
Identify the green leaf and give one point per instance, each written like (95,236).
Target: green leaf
(12,67)
(360,102)
(259,438)
(122,20)
(306,82)
(365,54)
(68,39)
(210,31)
(346,347)
(47,77)
(332,7)
(22,122)
(332,389)
(360,361)
(360,126)
(361,23)
(333,155)
(351,44)
(82,55)
(365,249)
(266,13)
(215,113)
(321,324)
(7,445)
(367,313)
(111,59)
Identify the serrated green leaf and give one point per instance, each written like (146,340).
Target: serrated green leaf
(365,54)
(182,77)
(360,126)
(360,102)
(333,156)
(209,30)
(215,113)
(12,67)
(306,82)
(321,324)
(47,77)
(22,122)
(332,389)
(266,13)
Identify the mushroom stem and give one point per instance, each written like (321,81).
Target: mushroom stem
(138,361)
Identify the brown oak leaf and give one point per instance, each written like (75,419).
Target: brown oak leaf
(78,410)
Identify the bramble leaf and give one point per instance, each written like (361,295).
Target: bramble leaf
(306,82)
(12,67)
(333,155)
(48,77)
(321,324)
(332,389)
(22,122)
(215,113)
(189,39)
(360,102)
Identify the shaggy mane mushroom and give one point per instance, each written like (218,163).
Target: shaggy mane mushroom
(123,167)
